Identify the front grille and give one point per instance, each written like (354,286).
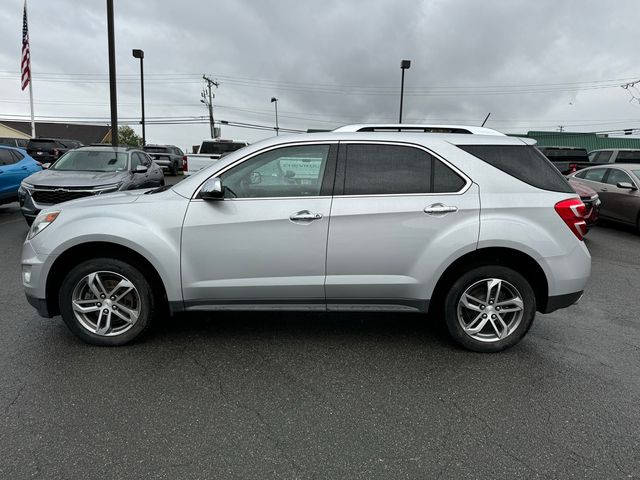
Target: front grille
(59,195)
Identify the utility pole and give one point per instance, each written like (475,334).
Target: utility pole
(112,74)
(207,99)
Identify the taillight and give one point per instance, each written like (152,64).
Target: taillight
(573,167)
(185,165)
(572,212)
(55,152)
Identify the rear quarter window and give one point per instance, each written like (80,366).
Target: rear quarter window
(525,163)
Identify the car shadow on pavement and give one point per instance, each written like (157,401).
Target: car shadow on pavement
(301,327)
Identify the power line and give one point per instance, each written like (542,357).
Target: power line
(338,89)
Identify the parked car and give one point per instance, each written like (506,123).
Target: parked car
(88,171)
(590,199)
(567,159)
(389,221)
(614,155)
(209,152)
(15,166)
(14,142)
(48,150)
(617,186)
(166,156)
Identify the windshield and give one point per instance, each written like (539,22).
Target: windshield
(92,161)
(218,148)
(156,149)
(636,173)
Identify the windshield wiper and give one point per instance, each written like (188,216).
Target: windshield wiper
(159,189)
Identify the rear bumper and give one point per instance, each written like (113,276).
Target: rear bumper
(557,302)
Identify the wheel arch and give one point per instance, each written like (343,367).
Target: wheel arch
(71,257)
(503,256)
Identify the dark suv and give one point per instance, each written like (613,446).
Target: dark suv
(166,156)
(48,150)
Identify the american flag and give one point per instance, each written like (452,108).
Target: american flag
(26,54)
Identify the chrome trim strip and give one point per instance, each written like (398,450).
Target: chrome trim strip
(462,191)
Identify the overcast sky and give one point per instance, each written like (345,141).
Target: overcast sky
(533,65)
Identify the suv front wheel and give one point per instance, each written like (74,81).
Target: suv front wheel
(106,302)
(489,308)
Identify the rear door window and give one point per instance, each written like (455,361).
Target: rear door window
(372,169)
(526,163)
(593,174)
(18,156)
(6,158)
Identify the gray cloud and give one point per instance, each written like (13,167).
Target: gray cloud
(331,62)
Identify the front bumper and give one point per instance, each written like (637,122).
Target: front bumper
(35,268)
(27,205)
(40,304)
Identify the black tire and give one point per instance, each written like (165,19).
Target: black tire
(173,169)
(146,301)
(511,279)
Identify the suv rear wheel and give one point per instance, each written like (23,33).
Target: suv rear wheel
(489,308)
(106,302)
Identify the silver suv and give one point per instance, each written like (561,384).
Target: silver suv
(479,230)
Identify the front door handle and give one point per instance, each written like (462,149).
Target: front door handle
(305,216)
(439,209)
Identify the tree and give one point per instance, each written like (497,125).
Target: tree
(128,137)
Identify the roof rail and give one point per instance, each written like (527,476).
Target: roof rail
(419,128)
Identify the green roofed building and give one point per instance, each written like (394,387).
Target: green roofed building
(588,141)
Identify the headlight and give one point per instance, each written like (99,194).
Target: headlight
(25,187)
(108,188)
(42,221)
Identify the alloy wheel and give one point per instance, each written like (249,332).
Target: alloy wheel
(106,303)
(490,310)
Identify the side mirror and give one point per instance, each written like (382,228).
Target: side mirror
(140,169)
(212,189)
(627,185)
(45,166)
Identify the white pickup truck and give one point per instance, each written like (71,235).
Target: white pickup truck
(209,152)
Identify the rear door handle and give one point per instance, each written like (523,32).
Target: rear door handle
(439,209)
(305,216)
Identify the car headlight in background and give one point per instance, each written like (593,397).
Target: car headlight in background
(24,188)
(42,221)
(113,187)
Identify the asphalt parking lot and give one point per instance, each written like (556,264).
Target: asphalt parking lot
(302,395)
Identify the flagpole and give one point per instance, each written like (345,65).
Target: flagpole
(33,122)
(26,31)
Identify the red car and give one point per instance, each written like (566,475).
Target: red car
(590,199)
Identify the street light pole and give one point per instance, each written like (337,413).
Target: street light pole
(140,54)
(404,65)
(112,74)
(275,100)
